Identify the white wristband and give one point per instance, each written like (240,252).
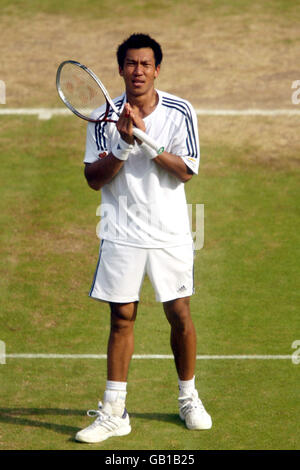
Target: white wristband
(148,151)
(122,150)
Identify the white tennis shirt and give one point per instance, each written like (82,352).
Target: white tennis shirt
(144,205)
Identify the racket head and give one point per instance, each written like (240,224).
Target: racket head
(83,93)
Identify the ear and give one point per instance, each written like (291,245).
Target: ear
(121,71)
(157,70)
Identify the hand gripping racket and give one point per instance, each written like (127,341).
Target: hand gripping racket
(82,92)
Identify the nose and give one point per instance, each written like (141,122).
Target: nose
(138,69)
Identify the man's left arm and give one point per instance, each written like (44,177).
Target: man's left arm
(171,162)
(184,156)
(175,165)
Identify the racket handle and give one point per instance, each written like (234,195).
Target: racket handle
(147,139)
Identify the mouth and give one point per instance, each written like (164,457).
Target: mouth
(137,83)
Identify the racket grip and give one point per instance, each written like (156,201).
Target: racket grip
(147,139)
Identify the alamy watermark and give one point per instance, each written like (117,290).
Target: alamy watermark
(296,354)
(2,92)
(122,220)
(198,224)
(296,94)
(2,352)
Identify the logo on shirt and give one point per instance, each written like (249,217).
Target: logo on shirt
(102,155)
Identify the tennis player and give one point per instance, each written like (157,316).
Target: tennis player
(144,229)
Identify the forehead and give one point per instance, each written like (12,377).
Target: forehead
(142,54)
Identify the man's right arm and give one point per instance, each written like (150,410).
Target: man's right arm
(102,171)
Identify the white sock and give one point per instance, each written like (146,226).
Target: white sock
(186,387)
(115,390)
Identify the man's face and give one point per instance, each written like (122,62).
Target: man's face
(139,71)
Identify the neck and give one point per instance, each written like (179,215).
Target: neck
(143,104)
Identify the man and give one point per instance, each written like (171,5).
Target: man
(144,229)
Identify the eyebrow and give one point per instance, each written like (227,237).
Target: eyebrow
(128,59)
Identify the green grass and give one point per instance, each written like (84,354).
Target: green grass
(252,251)
(139,8)
(254,405)
(246,301)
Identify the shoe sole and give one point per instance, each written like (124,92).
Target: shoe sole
(120,432)
(192,428)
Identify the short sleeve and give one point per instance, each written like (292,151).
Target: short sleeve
(96,141)
(186,141)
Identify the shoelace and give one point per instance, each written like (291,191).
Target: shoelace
(190,403)
(103,419)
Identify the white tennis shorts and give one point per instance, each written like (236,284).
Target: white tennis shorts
(121,270)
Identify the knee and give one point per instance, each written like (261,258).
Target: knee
(122,318)
(182,323)
(179,317)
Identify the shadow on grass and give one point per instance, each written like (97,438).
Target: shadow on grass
(28,417)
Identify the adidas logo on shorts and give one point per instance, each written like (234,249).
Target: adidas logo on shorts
(181,289)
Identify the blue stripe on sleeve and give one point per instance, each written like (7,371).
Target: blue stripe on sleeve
(183,108)
(100,127)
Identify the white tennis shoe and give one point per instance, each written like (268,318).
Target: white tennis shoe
(192,411)
(106,425)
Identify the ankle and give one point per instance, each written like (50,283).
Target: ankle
(115,396)
(186,387)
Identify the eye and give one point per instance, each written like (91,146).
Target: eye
(130,62)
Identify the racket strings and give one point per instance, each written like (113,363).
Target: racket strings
(80,89)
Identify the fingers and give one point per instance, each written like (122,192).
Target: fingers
(127,110)
(137,121)
(128,118)
(125,124)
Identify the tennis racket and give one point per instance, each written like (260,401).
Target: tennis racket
(82,92)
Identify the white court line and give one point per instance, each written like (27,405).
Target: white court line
(146,356)
(42,113)
(248,112)
(47,113)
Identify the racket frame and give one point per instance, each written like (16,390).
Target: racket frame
(109,104)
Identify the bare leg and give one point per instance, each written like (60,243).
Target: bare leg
(183,336)
(121,340)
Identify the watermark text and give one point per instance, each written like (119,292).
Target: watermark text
(2,92)
(2,352)
(296,93)
(296,354)
(123,221)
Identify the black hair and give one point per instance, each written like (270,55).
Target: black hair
(137,41)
